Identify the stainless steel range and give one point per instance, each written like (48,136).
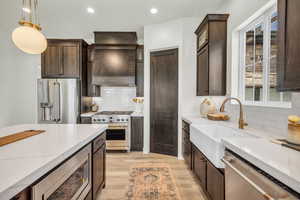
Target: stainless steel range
(118,132)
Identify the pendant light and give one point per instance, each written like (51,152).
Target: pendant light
(28,36)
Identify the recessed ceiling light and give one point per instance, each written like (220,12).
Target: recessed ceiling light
(26,10)
(90,10)
(153,11)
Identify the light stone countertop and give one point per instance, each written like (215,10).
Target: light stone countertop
(280,162)
(88,114)
(25,161)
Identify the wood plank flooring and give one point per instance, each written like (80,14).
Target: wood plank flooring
(118,168)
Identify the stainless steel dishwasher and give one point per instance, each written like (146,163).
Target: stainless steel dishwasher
(242,181)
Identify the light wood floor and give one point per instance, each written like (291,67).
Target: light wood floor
(117,175)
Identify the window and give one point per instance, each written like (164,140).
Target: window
(258,56)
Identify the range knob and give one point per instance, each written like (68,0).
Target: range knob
(118,120)
(122,120)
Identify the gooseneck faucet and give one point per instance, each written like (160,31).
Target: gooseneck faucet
(242,122)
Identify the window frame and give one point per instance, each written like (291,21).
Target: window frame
(264,19)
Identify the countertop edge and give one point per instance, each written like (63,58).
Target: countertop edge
(277,174)
(27,181)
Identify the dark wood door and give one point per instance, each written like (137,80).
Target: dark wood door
(215,183)
(199,166)
(52,62)
(71,61)
(98,170)
(137,134)
(164,102)
(203,72)
(288,45)
(24,195)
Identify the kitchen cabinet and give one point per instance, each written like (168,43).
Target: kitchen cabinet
(137,134)
(140,71)
(211,55)
(64,59)
(98,174)
(215,183)
(288,60)
(199,167)
(24,195)
(212,179)
(203,72)
(86,120)
(186,144)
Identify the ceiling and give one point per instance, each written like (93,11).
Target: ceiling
(69,18)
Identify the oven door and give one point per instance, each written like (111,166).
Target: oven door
(70,181)
(117,137)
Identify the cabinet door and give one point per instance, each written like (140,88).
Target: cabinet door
(187,148)
(137,133)
(24,195)
(71,61)
(52,62)
(215,183)
(98,170)
(289,45)
(88,196)
(203,72)
(199,166)
(86,120)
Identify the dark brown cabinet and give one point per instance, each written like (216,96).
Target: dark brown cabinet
(288,60)
(199,167)
(186,144)
(212,179)
(86,120)
(88,196)
(137,134)
(202,72)
(139,79)
(24,195)
(99,150)
(64,59)
(215,183)
(211,55)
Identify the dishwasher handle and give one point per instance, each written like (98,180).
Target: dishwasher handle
(228,161)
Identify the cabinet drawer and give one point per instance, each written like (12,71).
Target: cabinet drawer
(98,142)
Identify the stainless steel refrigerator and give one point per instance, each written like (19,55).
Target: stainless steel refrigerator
(59,101)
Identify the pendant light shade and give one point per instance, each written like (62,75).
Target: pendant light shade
(29,40)
(28,36)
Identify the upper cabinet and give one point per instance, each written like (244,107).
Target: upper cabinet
(139,79)
(64,59)
(288,65)
(211,55)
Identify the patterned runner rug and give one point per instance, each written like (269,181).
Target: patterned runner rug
(152,181)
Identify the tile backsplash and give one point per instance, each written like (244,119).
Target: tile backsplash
(116,99)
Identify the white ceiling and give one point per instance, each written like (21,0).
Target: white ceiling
(69,18)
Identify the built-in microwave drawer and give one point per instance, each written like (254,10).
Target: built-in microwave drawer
(71,180)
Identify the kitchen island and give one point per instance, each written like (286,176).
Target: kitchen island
(26,162)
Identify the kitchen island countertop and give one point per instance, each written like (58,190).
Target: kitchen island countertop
(25,161)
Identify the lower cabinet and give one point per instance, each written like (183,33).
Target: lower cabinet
(212,179)
(215,183)
(99,149)
(24,195)
(137,134)
(199,167)
(186,144)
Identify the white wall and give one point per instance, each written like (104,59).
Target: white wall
(174,34)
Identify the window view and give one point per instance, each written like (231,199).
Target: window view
(259,57)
